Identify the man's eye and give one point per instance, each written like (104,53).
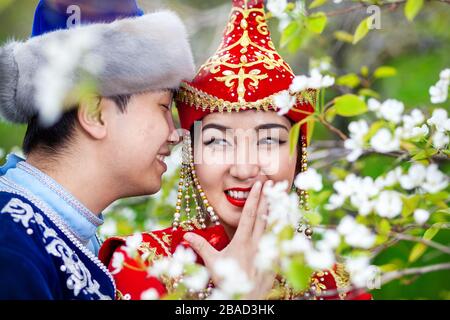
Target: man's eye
(165,106)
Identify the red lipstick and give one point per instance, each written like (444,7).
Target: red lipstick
(238,202)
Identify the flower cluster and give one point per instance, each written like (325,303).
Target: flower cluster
(409,127)
(439,92)
(285,100)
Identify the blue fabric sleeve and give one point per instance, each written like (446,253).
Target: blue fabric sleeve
(20,278)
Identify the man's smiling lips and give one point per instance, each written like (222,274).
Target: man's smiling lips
(237,196)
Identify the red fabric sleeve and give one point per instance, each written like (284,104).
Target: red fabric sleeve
(132,280)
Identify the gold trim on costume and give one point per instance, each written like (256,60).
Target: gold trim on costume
(342,279)
(202,100)
(161,243)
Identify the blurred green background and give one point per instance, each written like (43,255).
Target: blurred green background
(417,50)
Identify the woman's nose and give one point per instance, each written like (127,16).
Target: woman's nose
(244,171)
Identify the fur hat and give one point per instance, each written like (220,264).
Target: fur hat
(127,56)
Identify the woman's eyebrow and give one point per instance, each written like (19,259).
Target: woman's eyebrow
(271,126)
(215,126)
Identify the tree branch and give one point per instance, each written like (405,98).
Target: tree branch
(394,275)
(429,243)
(332,128)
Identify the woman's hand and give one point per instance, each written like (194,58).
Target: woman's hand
(244,245)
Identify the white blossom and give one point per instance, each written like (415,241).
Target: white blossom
(391,178)
(439,92)
(414,178)
(198,281)
(54,80)
(277,7)
(234,280)
(299,83)
(284,101)
(109,228)
(330,240)
(445,75)
(357,129)
(150,294)
(309,180)
(159,267)
(421,216)
(320,260)
(355,234)
(132,244)
(435,180)
(414,119)
(440,120)
(383,141)
(268,252)
(283,207)
(117,260)
(362,273)
(298,244)
(335,201)
(318,81)
(389,204)
(391,110)
(440,140)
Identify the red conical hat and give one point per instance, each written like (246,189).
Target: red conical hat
(244,73)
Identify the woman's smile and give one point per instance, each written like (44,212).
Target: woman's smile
(237,196)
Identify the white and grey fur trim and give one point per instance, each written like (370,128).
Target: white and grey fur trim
(138,54)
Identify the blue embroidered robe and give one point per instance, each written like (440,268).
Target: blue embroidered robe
(40,256)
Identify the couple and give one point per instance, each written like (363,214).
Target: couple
(51,203)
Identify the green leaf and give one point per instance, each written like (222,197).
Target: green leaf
(431,232)
(361,30)
(299,274)
(384,72)
(293,137)
(317,3)
(410,204)
(289,33)
(314,218)
(343,36)
(364,71)
(424,154)
(369,93)
(350,80)
(419,249)
(330,114)
(384,227)
(316,22)
(412,8)
(349,105)
(310,129)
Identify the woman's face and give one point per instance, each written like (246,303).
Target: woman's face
(234,150)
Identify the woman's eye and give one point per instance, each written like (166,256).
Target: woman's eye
(165,106)
(270,141)
(217,142)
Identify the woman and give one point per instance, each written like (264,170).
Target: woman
(239,144)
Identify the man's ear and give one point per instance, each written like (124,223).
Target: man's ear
(91,119)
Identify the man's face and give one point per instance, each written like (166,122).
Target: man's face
(138,141)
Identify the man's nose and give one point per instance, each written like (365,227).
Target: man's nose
(174,137)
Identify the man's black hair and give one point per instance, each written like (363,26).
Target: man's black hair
(57,136)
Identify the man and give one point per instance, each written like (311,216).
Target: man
(101,148)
